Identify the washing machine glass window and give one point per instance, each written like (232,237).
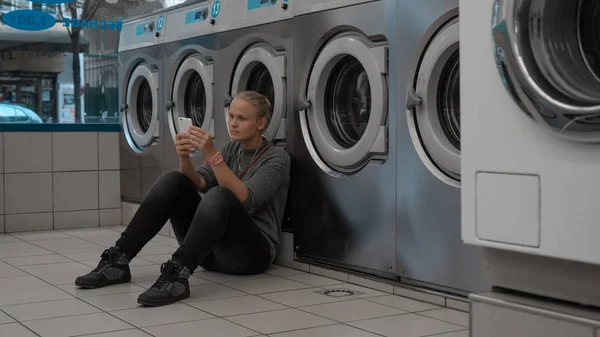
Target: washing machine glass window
(144,105)
(195,99)
(344,107)
(192,94)
(548,56)
(260,81)
(141,115)
(433,105)
(348,102)
(448,105)
(261,68)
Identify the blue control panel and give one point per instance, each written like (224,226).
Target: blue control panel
(255,4)
(144,28)
(196,15)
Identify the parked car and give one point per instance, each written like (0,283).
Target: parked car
(18,114)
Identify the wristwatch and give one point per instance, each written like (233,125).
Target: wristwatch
(216,159)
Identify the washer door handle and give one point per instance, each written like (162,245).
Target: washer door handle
(303,102)
(413,100)
(123,107)
(169,105)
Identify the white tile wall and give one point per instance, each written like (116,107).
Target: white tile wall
(75,151)
(27,152)
(59,180)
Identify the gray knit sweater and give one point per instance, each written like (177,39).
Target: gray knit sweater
(267,181)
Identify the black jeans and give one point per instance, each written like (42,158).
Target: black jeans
(214,231)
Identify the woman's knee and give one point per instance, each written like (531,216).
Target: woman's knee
(220,194)
(173,180)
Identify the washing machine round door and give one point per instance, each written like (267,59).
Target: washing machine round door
(346,103)
(141,121)
(548,56)
(262,69)
(433,105)
(192,94)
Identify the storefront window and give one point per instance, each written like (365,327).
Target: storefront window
(38,72)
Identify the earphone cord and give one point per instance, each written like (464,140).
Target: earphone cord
(240,156)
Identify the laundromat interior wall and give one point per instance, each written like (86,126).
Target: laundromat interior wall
(57,180)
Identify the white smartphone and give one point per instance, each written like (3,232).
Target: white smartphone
(185,124)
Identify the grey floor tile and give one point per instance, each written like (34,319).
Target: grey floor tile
(8,238)
(15,330)
(49,309)
(115,301)
(354,310)
(408,325)
(121,333)
(337,330)
(211,292)
(448,315)
(4,318)
(148,316)
(237,306)
(403,303)
(302,297)
(63,278)
(32,295)
(51,268)
(110,290)
(20,282)
(266,285)
(77,325)
(36,260)
(281,320)
(216,327)
(21,248)
(7,270)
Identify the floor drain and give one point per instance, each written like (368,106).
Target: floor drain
(338,292)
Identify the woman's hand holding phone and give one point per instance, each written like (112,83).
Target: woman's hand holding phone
(183,141)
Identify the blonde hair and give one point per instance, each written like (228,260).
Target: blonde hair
(259,101)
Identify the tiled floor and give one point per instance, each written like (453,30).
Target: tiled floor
(38,298)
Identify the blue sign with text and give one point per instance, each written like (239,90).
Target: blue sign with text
(93,24)
(27,19)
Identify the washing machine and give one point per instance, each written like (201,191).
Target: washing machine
(342,135)
(531,124)
(430,252)
(140,75)
(258,56)
(190,56)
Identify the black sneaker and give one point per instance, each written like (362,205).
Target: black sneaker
(172,286)
(112,269)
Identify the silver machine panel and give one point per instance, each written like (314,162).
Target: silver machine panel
(190,79)
(430,252)
(499,314)
(140,75)
(342,209)
(223,35)
(257,56)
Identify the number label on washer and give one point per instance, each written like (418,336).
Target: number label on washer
(216,9)
(160,23)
